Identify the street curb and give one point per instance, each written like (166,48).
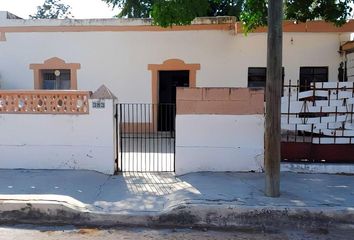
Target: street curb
(183,215)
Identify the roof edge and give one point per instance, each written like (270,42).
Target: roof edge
(12,23)
(5,15)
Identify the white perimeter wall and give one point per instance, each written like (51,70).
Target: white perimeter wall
(219,143)
(62,141)
(120,59)
(330,168)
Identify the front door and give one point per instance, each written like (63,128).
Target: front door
(168,82)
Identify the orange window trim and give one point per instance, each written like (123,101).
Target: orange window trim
(168,65)
(171,65)
(54,63)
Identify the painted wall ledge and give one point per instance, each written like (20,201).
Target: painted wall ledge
(226,101)
(44,102)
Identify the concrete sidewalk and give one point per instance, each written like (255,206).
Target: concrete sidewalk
(197,199)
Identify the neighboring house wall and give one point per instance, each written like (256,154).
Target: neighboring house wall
(330,168)
(119,58)
(59,140)
(350,67)
(219,129)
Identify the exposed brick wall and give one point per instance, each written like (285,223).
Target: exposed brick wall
(225,101)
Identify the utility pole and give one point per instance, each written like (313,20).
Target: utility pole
(273,98)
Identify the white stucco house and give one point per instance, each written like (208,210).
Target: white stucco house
(124,53)
(143,64)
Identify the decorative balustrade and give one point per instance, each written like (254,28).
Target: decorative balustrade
(44,102)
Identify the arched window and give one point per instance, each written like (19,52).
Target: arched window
(55,73)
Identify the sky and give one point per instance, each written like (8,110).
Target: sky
(80,8)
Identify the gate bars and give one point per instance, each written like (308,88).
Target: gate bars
(146,137)
(318,124)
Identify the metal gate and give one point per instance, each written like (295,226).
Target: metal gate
(146,137)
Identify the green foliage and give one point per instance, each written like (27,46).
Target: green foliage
(336,11)
(178,12)
(252,13)
(52,9)
(329,10)
(144,8)
(225,8)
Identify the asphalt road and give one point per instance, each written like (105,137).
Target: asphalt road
(26,232)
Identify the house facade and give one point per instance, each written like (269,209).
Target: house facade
(128,55)
(218,124)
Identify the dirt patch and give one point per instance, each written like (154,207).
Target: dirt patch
(88,231)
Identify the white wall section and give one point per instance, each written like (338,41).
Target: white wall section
(219,143)
(59,141)
(120,59)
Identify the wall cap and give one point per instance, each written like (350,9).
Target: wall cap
(103,93)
